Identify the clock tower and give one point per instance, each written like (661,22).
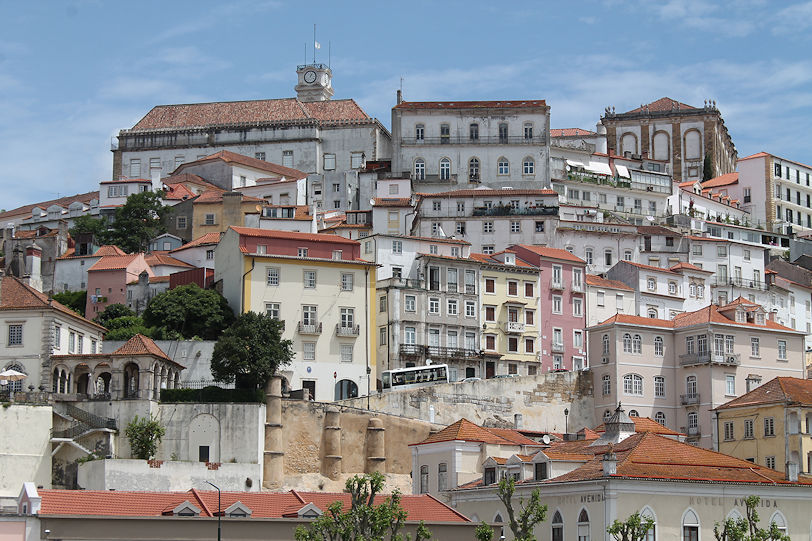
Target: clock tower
(315,82)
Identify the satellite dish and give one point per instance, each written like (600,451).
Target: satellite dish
(545,439)
(428,362)
(372,202)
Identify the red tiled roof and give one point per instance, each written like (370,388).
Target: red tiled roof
(553,454)
(25,210)
(204,240)
(655,230)
(723,180)
(661,105)
(687,266)
(465,430)
(512,436)
(429,239)
(294,235)
(160,257)
(553,253)
(107,249)
(756,155)
(648,267)
(141,345)
(188,178)
(781,389)
(14,294)
(113,262)
(499,459)
(486,192)
(392,202)
(490,260)
(645,424)
(177,191)
(570,132)
(638,320)
(710,314)
(240,112)
(597,281)
(232,157)
(262,504)
(216,196)
(511,104)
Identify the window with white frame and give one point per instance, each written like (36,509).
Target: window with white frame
(769,426)
(782,350)
(410,303)
(434,305)
(419,169)
(515,227)
(637,344)
(605,344)
(273,309)
(748,429)
(558,338)
(651,283)
(309,315)
(557,304)
(730,385)
(452,307)
(470,309)
(309,279)
(445,169)
(577,307)
(728,429)
(658,346)
(528,166)
(578,339)
(659,386)
(272,276)
(302,252)
(346,353)
(503,166)
(15,335)
(346,281)
(606,384)
(397,247)
(557,274)
(627,343)
(309,351)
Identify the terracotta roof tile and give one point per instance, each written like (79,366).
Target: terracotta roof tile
(392,202)
(465,430)
(113,262)
(553,253)
(756,155)
(204,240)
(597,281)
(177,191)
(648,267)
(781,389)
(638,320)
(512,436)
(662,105)
(687,266)
(645,424)
(490,260)
(160,257)
(14,294)
(274,234)
(241,112)
(25,210)
(510,104)
(141,345)
(722,180)
(570,132)
(710,314)
(232,157)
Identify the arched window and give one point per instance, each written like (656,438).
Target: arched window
(503,166)
(633,413)
(780,522)
(606,415)
(606,344)
(445,169)
(419,169)
(637,344)
(652,313)
(557,527)
(18,385)
(607,384)
(346,388)
(583,526)
(648,513)
(473,170)
(692,289)
(658,346)
(528,166)
(424,479)
(633,384)
(660,417)
(627,343)
(690,526)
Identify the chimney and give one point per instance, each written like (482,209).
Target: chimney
(400,96)
(157,185)
(601,139)
(518,421)
(609,462)
(792,472)
(33,266)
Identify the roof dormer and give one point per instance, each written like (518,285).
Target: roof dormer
(237,510)
(186,509)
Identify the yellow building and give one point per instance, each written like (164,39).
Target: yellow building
(771,425)
(510,318)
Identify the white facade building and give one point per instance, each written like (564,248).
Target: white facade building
(605,298)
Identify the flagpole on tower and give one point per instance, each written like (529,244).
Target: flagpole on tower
(314,43)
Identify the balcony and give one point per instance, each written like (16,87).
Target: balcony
(434,179)
(725,359)
(558,347)
(470,289)
(693,432)
(738,281)
(689,399)
(301,328)
(436,352)
(514,327)
(557,285)
(467,140)
(507,210)
(577,288)
(352,331)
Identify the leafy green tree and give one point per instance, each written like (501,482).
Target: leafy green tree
(483,532)
(747,529)
(111,312)
(529,515)
(250,351)
(707,168)
(75,300)
(190,311)
(633,528)
(364,521)
(87,224)
(144,433)
(125,327)
(139,220)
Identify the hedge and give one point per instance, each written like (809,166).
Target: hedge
(212,394)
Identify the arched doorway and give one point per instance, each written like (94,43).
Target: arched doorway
(346,389)
(131,380)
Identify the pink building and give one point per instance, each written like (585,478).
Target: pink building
(107,280)
(562,306)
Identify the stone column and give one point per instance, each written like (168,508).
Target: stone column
(376,446)
(273,457)
(331,464)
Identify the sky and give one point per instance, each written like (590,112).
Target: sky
(75,72)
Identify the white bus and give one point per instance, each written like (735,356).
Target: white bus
(417,376)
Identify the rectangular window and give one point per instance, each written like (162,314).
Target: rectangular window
(210,255)
(659,386)
(729,431)
(513,288)
(287,158)
(397,247)
(451,280)
(528,289)
(309,279)
(346,282)
(309,315)
(410,303)
(748,429)
(730,385)
(769,426)
(209,219)
(382,336)
(181,222)
(515,227)
(452,307)
(309,351)
(410,335)
(557,276)
(577,307)
(434,305)
(135,168)
(556,304)
(529,345)
(329,162)
(382,304)
(490,313)
(259,156)
(529,316)
(782,350)
(15,335)
(346,353)
(490,285)
(513,344)
(770,462)
(356,160)
(273,309)
(470,309)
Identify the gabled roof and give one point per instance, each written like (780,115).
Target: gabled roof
(262,504)
(465,430)
(661,105)
(25,210)
(284,110)
(570,132)
(491,260)
(505,104)
(292,235)
(710,314)
(647,267)
(638,320)
(160,257)
(645,424)
(107,249)
(598,281)
(113,262)
(247,161)
(722,180)
(141,345)
(216,196)
(204,240)
(14,294)
(656,230)
(777,390)
(177,191)
(552,253)
(681,266)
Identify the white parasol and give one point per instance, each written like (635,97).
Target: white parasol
(12,375)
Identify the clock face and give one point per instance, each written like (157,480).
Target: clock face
(310,76)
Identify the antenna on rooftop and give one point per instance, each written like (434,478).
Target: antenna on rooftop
(329,54)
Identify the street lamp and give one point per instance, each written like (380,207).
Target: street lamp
(219,513)
(566,421)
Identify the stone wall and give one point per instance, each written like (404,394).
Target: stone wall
(540,400)
(25,447)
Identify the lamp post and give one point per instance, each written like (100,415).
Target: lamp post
(566,421)
(219,513)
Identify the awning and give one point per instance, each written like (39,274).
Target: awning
(600,168)
(623,171)
(573,163)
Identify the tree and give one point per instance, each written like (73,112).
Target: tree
(483,532)
(633,528)
(747,529)
(364,521)
(528,517)
(75,300)
(111,312)
(86,224)
(125,327)
(250,351)
(707,168)
(144,433)
(137,222)
(190,311)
